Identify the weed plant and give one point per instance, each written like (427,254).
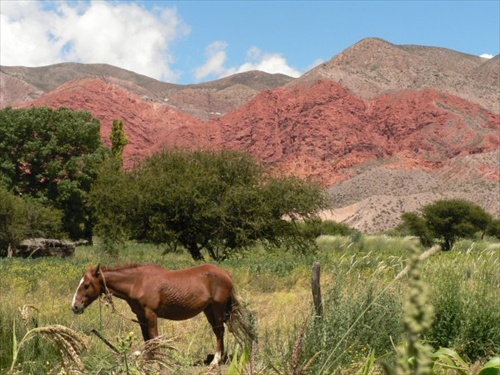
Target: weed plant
(465,287)
(356,319)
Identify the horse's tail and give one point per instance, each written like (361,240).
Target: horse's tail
(240,321)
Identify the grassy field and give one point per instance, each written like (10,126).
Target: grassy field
(363,309)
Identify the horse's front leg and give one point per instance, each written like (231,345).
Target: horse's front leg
(149,324)
(144,327)
(152,326)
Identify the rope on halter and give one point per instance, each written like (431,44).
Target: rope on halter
(108,300)
(108,297)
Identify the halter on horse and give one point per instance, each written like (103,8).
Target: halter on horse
(152,291)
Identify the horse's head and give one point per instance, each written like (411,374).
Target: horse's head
(90,287)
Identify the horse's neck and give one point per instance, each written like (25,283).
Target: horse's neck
(119,282)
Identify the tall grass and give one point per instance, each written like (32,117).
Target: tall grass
(465,295)
(355,269)
(362,310)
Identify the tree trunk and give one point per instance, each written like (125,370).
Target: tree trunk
(195,252)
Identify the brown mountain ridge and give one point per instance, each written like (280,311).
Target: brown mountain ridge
(381,126)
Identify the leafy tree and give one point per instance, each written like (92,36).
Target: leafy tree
(20,219)
(12,221)
(219,202)
(113,201)
(494,228)
(118,140)
(417,226)
(51,156)
(448,220)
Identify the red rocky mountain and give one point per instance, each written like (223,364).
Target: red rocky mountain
(321,131)
(385,128)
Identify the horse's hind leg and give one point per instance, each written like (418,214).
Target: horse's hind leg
(215,316)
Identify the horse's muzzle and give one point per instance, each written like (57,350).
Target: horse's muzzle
(77,309)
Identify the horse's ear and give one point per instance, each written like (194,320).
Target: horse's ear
(97,270)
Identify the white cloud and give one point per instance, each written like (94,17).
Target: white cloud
(217,57)
(124,34)
(25,38)
(118,33)
(486,56)
(269,62)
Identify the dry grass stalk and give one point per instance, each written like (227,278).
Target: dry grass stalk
(154,353)
(68,342)
(297,350)
(426,254)
(27,317)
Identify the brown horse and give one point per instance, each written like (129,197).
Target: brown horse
(152,291)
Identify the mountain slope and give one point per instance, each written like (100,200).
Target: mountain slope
(374,66)
(147,124)
(322,131)
(205,100)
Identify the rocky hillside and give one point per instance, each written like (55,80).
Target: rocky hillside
(324,132)
(384,128)
(374,66)
(21,85)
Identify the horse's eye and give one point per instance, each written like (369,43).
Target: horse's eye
(86,286)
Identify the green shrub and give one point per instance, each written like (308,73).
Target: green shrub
(21,219)
(467,307)
(315,228)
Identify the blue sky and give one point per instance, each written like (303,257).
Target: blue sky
(196,41)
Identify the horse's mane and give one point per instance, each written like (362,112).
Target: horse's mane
(124,266)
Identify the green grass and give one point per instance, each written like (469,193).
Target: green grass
(362,304)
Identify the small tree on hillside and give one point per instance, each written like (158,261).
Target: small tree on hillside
(447,221)
(417,226)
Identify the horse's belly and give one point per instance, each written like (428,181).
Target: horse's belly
(179,312)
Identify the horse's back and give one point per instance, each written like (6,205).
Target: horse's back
(202,270)
(205,275)
(182,294)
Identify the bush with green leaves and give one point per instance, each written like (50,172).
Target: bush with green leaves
(494,228)
(466,304)
(221,202)
(51,156)
(21,219)
(317,227)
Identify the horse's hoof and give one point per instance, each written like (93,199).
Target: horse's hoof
(209,359)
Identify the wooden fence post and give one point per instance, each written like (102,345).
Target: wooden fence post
(316,290)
